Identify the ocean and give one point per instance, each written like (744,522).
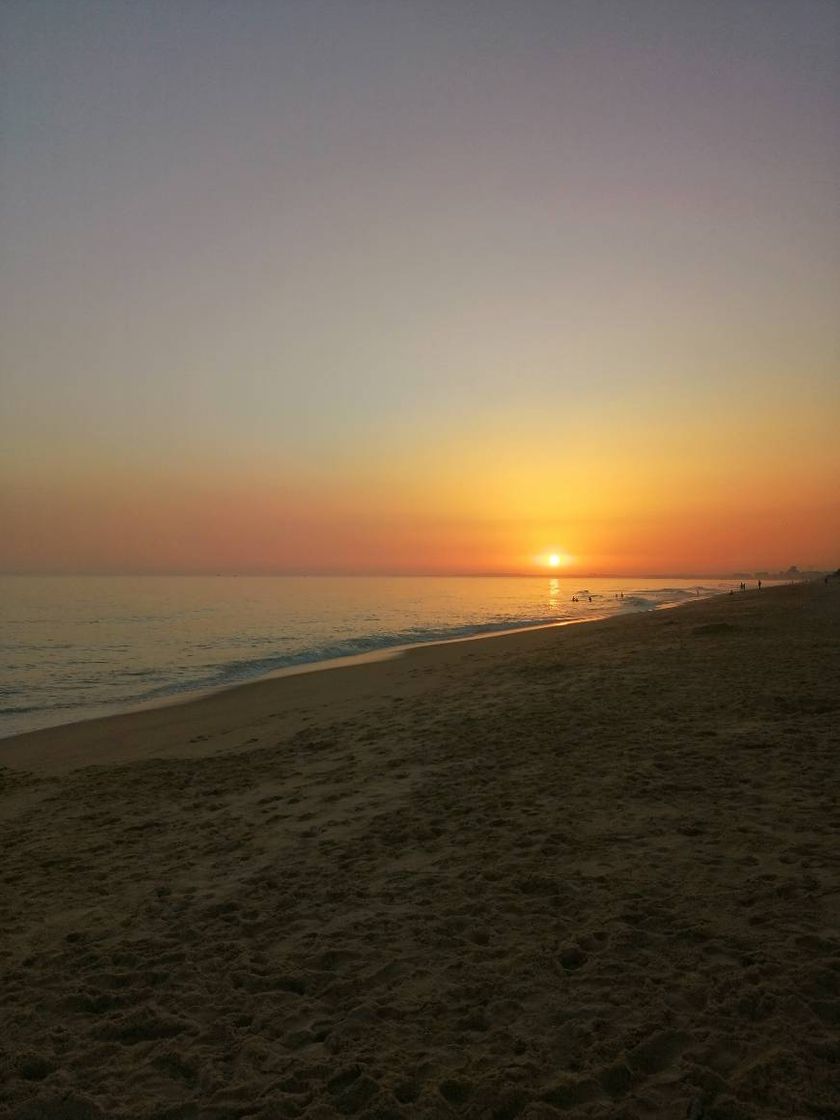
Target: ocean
(76,647)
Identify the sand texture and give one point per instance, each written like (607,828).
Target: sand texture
(581,872)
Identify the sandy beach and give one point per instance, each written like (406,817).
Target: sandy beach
(588,871)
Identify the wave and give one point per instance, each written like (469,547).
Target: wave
(122,688)
(251,668)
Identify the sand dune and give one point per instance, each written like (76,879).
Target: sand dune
(581,872)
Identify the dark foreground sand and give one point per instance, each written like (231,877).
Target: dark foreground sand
(587,872)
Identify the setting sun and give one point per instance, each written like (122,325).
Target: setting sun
(554,560)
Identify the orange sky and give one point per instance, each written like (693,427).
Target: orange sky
(612,502)
(366,288)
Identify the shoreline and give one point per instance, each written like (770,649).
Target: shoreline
(581,872)
(46,752)
(371,657)
(386,653)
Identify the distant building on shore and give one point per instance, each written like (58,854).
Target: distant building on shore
(793,572)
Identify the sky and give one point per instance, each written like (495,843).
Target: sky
(419,286)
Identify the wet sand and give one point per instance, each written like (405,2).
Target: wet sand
(580,872)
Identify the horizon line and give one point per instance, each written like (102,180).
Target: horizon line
(511,574)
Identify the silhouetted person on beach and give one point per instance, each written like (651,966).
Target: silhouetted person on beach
(759,585)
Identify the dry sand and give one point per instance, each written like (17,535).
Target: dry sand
(581,872)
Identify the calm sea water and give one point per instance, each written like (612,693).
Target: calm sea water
(75,647)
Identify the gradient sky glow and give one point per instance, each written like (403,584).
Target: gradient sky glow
(420,287)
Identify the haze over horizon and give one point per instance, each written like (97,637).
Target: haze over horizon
(408,288)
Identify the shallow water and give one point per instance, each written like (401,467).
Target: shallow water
(75,647)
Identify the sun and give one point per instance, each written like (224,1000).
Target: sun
(554,559)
